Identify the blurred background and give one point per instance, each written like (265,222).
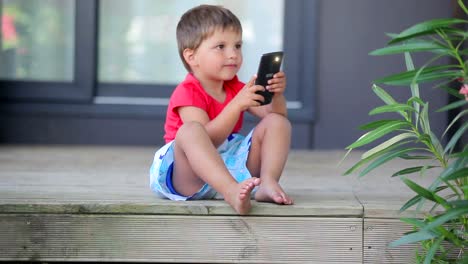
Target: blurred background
(101,72)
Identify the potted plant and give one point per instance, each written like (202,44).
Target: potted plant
(443,232)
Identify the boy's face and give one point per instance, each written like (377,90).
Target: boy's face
(219,57)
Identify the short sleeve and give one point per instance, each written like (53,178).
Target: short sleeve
(187,94)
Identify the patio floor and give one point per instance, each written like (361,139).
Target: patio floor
(93,203)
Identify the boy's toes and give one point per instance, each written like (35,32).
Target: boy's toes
(278,198)
(249,184)
(256,181)
(242,196)
(287,200)
(246,188)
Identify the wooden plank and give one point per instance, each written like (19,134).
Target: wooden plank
(205,207)
(382,195)
(206,239)
(83,203)
(114,180)
(378,233)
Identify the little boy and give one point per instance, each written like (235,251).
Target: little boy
(204,152)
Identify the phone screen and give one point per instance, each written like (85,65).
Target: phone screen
(270,63)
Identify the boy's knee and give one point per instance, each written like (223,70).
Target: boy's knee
(274,119)
(187,130)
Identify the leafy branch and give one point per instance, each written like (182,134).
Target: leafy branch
(413,138)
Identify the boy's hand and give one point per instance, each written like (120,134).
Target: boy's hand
(277,84)
(247,97)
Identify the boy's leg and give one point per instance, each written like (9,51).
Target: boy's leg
(267,157)
(196,162)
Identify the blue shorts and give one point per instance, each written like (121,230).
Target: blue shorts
(234,151)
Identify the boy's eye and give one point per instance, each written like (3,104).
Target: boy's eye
(221,46)
(238,46)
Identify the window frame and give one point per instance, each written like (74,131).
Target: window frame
(84,76)
(86,96)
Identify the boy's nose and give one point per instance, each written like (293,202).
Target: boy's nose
(233,53)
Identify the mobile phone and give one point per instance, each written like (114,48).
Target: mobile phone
(270,63)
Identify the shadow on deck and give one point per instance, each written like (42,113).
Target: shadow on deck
(78,203)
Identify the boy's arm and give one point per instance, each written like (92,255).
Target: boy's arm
(221,126)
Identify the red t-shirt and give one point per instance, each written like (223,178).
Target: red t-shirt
(191,93)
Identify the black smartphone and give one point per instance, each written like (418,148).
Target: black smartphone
(270,63)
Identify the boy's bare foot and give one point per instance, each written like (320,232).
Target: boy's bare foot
(239,198)
(272,192)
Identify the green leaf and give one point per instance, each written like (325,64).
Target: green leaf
(382,94)
(452,91)
(459,203)
(463,52)
(416,199)
(364,161)
(432,250)
(358,164)
(414,222)
(412,170)
(409,65)
(463,260)
(447,82)
(406,78)
(376,124)
(425,138)
(445,217)
(436,143)
(425,168)
(452,167)
(453,141)
(449,235)
(465,188)
(462,5)
(400,108)
(415,100)
(425,28)
(391,35)
(410,73)
(388,143)
(461,114)
(378,133)
(457,174)
(412,238)
(344,157)
(460,34)
(419,46)
(424,119)
(422,191)
(414,87)
(416,157)
(453,105)
(385,158)
(459,154)
(386,97)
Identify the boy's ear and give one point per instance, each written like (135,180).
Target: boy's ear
(189,57)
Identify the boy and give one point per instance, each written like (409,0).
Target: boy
(204,154)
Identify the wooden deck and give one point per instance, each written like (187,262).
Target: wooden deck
(80,203)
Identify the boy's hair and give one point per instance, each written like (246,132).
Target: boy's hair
(199,23)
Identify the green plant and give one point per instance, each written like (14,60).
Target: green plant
(442,233)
